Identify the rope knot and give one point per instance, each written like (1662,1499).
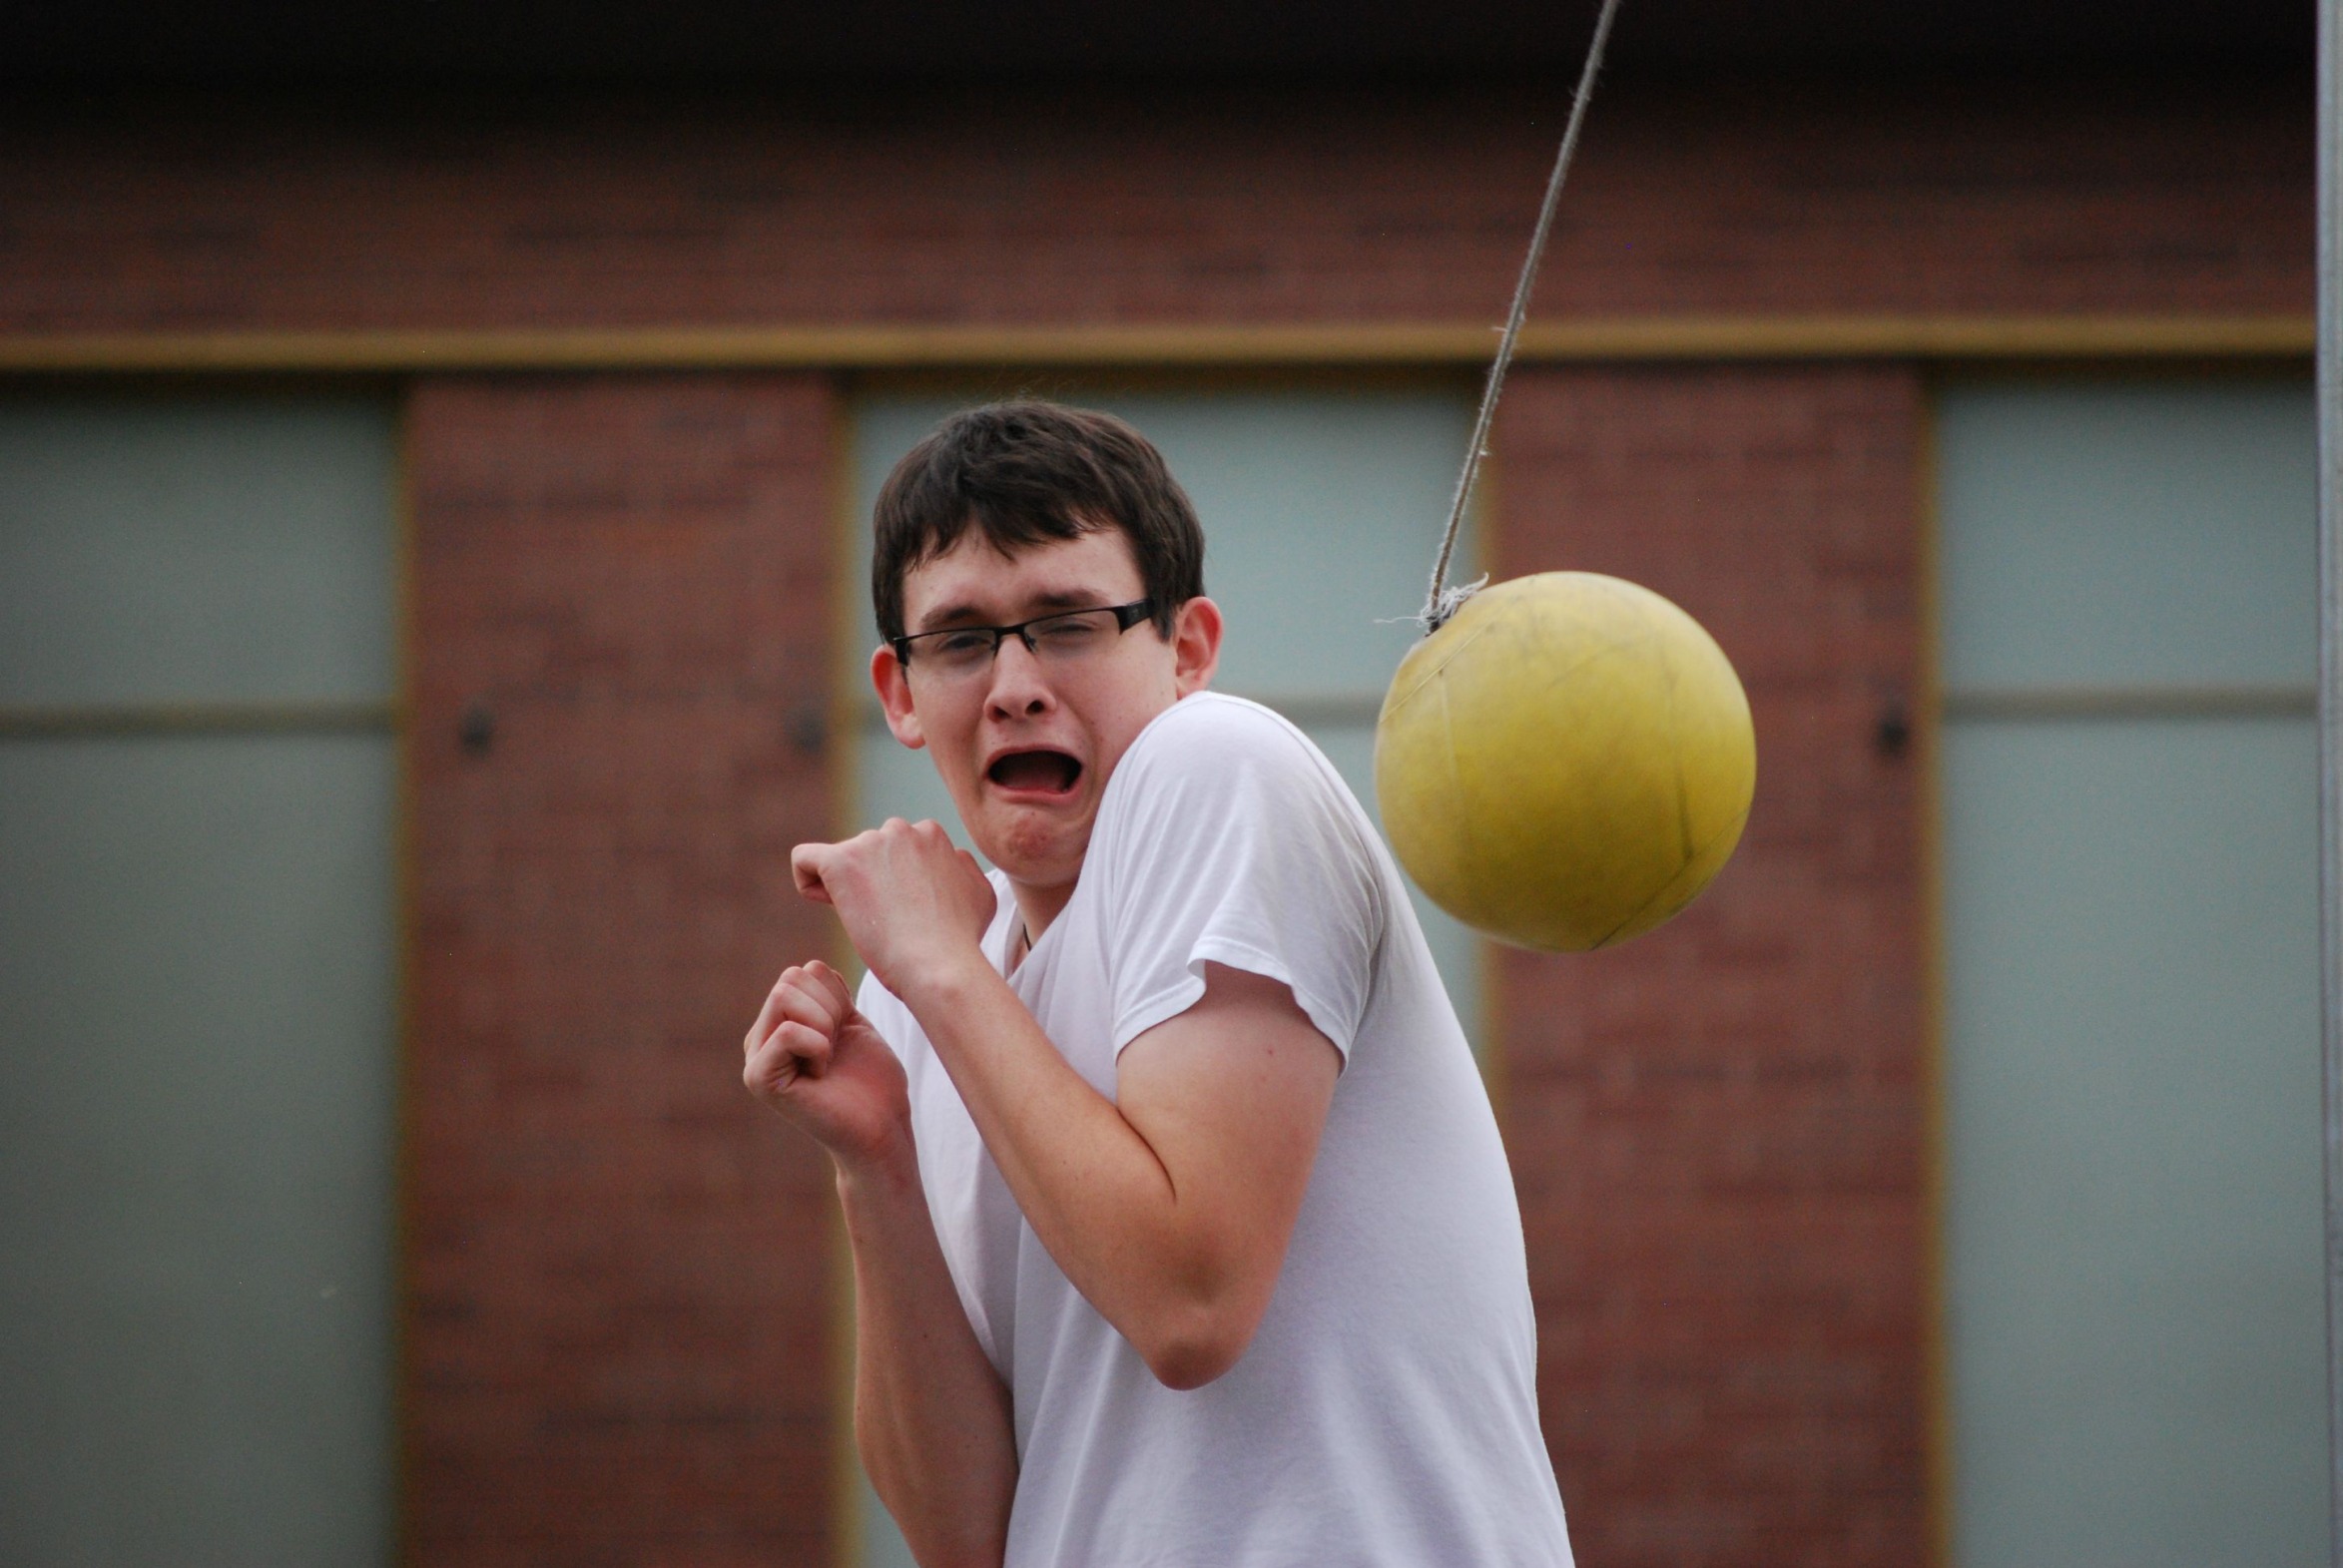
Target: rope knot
(1445,602)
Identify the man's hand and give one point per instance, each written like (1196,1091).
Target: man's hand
(932,1417)
(913,905)
(816,1061)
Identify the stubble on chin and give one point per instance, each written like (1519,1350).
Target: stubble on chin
(1037,851)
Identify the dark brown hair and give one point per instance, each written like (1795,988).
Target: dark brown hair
(1025,472)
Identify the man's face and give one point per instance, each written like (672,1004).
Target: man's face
(1027,744)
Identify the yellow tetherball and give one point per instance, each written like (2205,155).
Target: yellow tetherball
(1566,763)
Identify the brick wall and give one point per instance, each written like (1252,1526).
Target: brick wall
(1276,205)
(1717,1128)
(615,1335)
(616,1314)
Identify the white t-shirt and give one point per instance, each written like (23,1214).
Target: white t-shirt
(1386,1411)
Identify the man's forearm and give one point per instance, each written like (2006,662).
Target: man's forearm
(1095,1192)
(932,1419)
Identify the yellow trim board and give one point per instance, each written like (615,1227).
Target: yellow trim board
(1333,343)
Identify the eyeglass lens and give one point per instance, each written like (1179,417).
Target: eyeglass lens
(1060,639)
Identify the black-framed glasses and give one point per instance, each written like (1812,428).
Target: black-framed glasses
(1061,637)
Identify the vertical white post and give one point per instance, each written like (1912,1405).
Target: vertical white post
(2330,386)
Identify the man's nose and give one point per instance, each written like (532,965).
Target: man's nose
(1019,684)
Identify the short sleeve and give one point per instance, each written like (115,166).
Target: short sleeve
(1234,841)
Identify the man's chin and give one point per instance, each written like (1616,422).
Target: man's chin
(1037,848)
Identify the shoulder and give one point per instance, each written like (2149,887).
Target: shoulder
(1212,765)
(1211,738)
(1226,835)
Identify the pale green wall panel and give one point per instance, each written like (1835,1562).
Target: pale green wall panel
(2110,534)
(197,972)
(196,1150)
(221,550)
(2133,1303)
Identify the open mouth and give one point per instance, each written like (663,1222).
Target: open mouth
(1045,773)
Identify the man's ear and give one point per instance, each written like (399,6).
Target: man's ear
(895,694)
(1196,633)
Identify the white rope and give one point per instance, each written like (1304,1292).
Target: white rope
(1443,601)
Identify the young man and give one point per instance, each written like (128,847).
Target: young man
(1182,1233)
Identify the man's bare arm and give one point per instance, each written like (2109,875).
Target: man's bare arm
(932,1419)
(1170,1207)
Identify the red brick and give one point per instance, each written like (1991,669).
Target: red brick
(1716,1128)
(1274,204)
(616,1322)
(617,1332)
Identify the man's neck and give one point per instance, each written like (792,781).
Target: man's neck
(1038,906)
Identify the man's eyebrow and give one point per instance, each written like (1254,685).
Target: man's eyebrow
(1078,599)
(951,615)
(945,617)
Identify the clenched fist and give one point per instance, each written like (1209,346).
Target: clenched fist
(913,905)
(818,1062)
